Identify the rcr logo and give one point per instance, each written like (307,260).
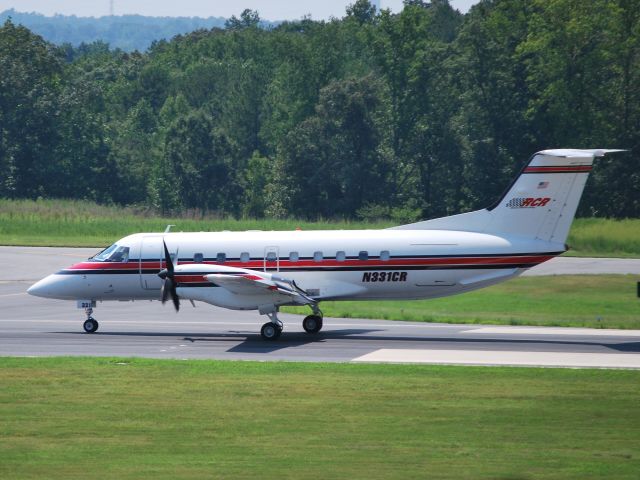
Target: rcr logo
(528,202)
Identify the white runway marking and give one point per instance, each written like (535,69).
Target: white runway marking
(554,331)
(479,357)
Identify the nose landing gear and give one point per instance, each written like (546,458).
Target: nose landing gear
(90,325)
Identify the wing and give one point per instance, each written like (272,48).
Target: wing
(252,284)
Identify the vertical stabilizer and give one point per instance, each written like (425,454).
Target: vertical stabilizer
(540,204)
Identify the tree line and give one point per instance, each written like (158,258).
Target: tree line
(419,114)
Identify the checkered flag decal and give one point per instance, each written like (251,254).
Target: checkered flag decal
(516,203)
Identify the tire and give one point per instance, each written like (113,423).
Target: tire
(270,331)
(312,324)
(90,325)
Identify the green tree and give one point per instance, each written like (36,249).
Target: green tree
(197,157)
(580,68)
(492,122)
(362,11)
(248,19)
(334,160)
(257,176)
(29,88)
(83,166)
(133,153)
(413,51)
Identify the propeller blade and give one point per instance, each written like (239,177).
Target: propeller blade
(166,290)
(167,259)
(169,285)
(169,290)
(176,300)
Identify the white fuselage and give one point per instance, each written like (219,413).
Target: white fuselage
(335,264)
(262,271)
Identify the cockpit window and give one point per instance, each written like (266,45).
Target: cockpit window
(120,255)
(105,253)
(114,253)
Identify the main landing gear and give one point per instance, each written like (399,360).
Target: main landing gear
(90,325)
(273,329)
(313,323)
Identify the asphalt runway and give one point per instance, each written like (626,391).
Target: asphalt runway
(31,326)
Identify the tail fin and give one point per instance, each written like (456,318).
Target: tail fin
(540,203)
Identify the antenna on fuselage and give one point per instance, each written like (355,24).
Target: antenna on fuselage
(168,229)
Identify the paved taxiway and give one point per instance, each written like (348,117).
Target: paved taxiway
(35,326)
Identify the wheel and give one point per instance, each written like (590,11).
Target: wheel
(312,324)
(90,325)
(270,331)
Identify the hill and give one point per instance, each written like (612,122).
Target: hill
(126,32)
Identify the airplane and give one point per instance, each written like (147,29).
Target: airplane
(260,270)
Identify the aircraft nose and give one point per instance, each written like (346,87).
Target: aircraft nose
(40,288)
(33,289)
(52,286)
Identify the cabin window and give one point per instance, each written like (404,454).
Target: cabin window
(340,256)
(198,257)
(245,257)
(363,255)
(385,256)
(317,256)
(294,256)
(272,257)
(221,257)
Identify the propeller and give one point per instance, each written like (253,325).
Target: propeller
(168,280)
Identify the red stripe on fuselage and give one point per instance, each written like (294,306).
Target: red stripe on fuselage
(533,259)
(133,265)
(559,169)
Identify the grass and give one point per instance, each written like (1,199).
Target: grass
(109,418)
(595,237)
(85,224)
(597,301)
